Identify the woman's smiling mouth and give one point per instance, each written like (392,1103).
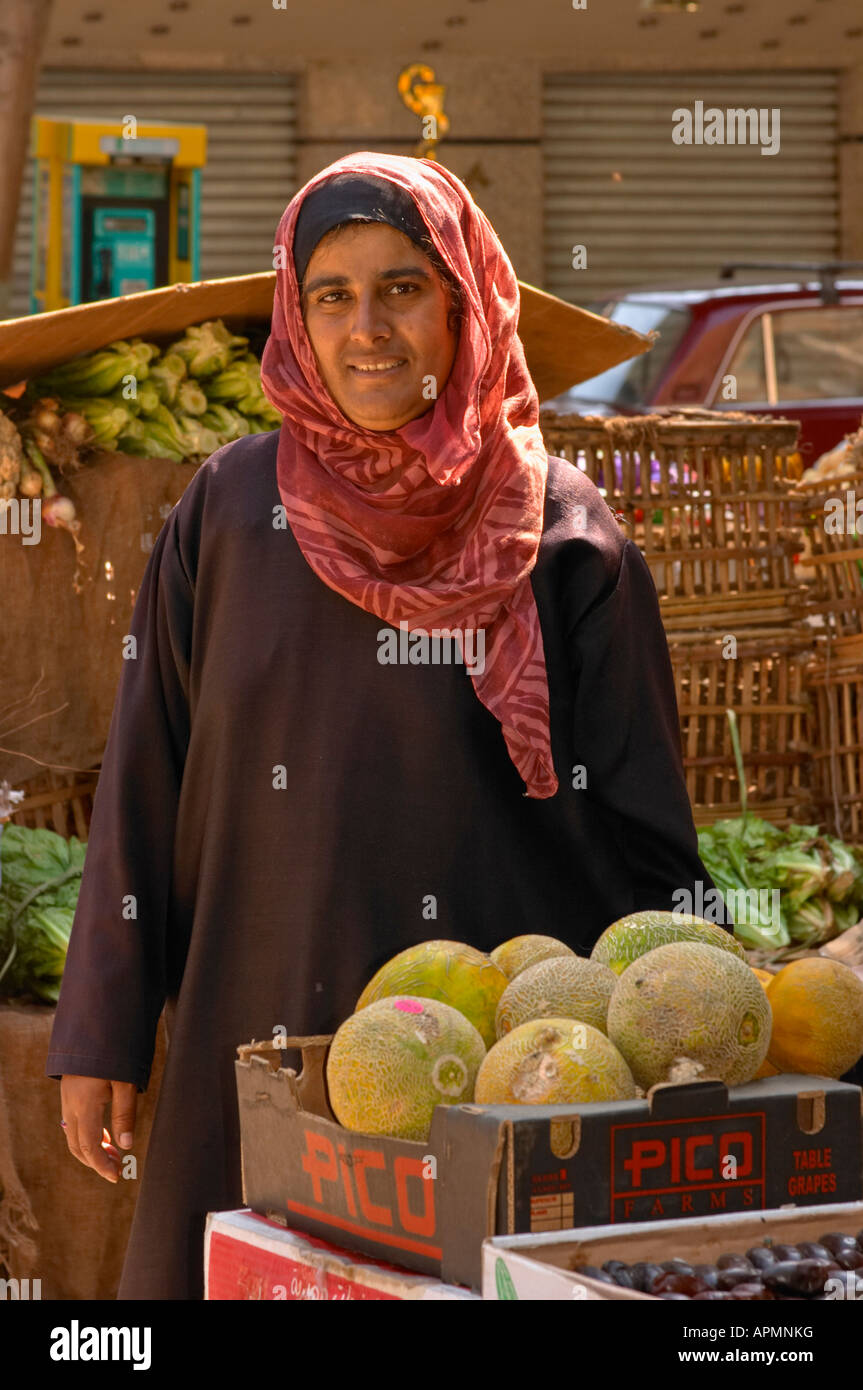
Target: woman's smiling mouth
(380,368)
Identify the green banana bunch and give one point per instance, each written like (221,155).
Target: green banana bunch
(98,373)
(166,375)
(190,399)
(156,436)
(147,399)
(242,378)
(130,440)
(259,424)
(228,424)
(207,348)
(107,416)
(260,414)
(200,441)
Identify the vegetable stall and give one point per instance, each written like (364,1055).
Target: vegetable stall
(104,421)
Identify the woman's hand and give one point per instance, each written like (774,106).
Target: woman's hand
(82,1101)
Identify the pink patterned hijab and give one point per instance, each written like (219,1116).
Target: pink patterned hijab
(436,524)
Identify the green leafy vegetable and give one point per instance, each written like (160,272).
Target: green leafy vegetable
(40,877)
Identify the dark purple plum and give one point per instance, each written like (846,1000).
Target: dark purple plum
(798,1278)
(733,1261)
(784,1253)
(643,1273)
(761,1256)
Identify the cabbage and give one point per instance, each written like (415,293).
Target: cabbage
(40,877)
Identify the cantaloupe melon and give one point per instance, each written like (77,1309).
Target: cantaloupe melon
(817,1017)
(562,987)
(390,1064)
(518,954)
(553,1061)
(687,1001)
(766,1069)
(763,976)
(450,971)
(630,937)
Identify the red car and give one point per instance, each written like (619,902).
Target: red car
(792,348)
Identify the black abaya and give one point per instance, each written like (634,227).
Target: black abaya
(278,813)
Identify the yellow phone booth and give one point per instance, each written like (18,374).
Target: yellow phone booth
(116,208)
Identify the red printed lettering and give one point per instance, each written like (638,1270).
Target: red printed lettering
(346,1181)
(319,1161)
(370,1158)
(745,1161)
(646,1153)
(422,1224)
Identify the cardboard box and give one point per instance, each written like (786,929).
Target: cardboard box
(249,1257)
(687,1151)
(546,1267)
(563,343)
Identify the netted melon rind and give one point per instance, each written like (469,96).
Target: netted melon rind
(449,971)
(560,987)
(390,1064)
(553,1061)
(687,1000)
(633,936)
(521,952)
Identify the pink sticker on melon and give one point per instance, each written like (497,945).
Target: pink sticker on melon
(408,1006)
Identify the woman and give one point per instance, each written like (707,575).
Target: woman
(294,788)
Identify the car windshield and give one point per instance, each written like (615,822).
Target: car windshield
(632,383)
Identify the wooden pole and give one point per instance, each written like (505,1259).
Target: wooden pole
(23,30)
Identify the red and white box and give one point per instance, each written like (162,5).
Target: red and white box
(248,1257)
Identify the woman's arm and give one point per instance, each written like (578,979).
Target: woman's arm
(114,982)
(627,737)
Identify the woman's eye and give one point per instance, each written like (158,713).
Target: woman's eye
(334,296)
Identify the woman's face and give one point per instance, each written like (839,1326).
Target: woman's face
(376,313)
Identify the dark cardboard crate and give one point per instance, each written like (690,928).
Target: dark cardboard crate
(694,1150)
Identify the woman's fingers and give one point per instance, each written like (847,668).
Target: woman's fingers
(124,1099)
(83,1100)
(90,1143)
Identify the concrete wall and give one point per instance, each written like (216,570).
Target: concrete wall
(493,144)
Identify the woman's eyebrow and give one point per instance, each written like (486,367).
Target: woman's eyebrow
(398,271)
(321,280)
(394,273)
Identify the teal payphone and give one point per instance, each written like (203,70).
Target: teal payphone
(123,252)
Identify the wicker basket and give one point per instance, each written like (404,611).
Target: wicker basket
(58,801)
(706,496)
(832,560)
(835,681)
(766,687)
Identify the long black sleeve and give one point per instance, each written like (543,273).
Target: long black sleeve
(627,736)
(114,983)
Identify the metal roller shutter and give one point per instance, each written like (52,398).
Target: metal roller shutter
(250,175)
(648,210)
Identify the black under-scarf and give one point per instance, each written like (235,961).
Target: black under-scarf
(353,198)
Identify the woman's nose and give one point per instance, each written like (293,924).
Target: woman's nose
(369,323)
